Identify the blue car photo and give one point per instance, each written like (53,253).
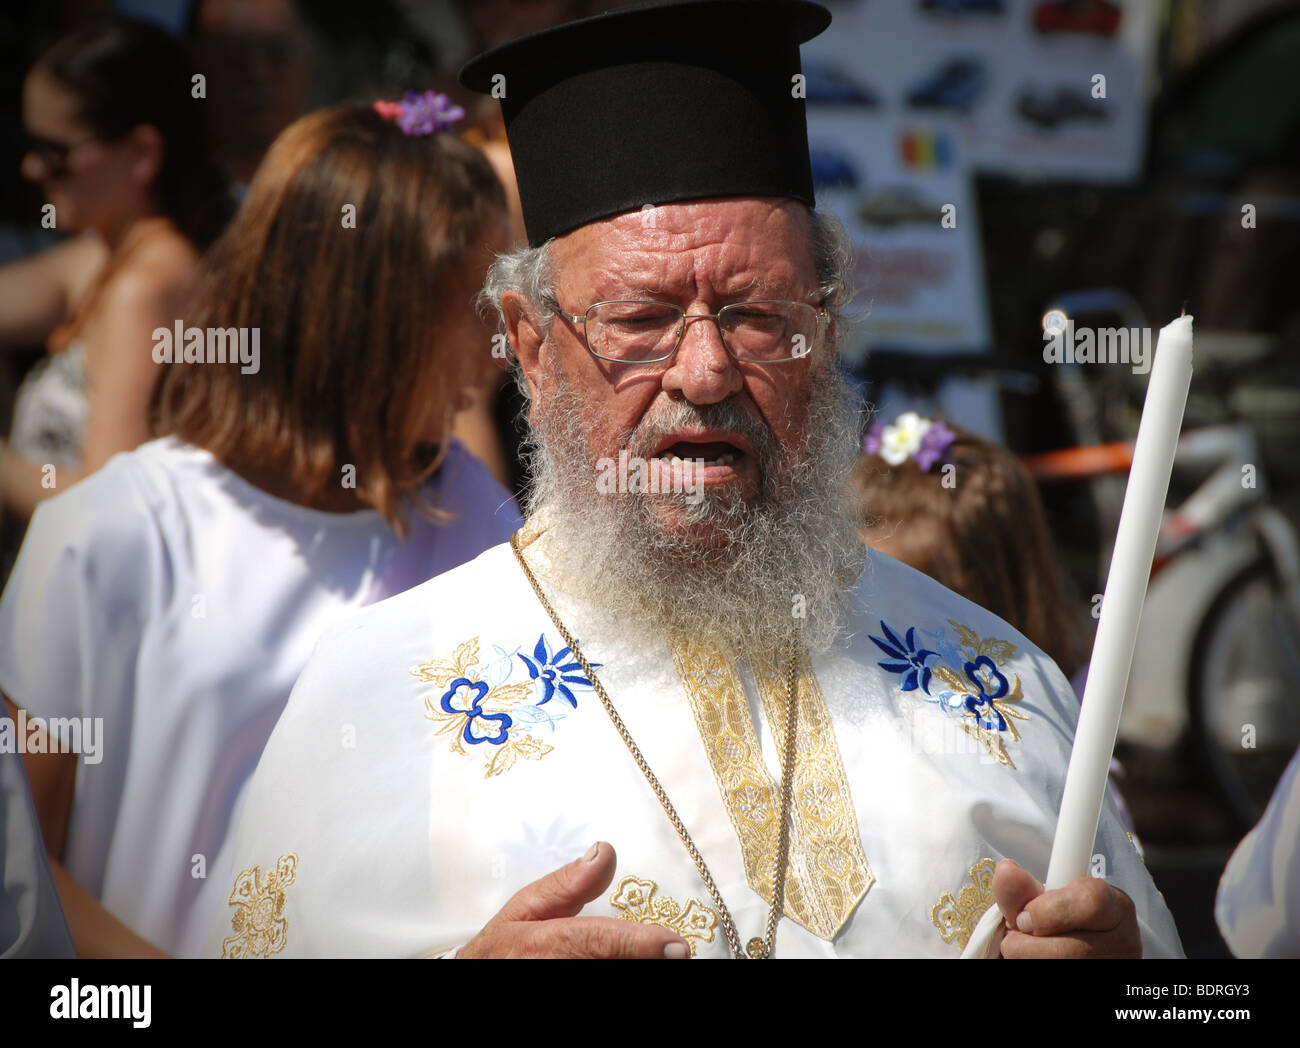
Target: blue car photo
(832,170)
(957,84)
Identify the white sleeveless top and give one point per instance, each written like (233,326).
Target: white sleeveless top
(50,409)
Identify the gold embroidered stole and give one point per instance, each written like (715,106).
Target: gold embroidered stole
(827,872)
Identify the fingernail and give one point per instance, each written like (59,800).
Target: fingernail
(676,951)
(592,852)
(1025,923)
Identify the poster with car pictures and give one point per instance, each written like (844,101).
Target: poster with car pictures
(903,193)
(1037,88)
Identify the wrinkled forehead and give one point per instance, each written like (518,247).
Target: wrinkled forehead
(757,246)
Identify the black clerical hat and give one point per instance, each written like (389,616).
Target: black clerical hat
(651,104)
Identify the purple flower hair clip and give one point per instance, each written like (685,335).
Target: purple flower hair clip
(910,436)
(421,114)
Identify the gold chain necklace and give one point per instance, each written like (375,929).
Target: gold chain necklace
(756,948)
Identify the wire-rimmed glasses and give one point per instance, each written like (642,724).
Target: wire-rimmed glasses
(642,331)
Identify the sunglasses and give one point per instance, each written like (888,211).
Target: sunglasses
(54,155)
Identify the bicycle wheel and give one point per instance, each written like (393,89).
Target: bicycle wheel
(1244,709)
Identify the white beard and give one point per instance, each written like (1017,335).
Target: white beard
(776,568)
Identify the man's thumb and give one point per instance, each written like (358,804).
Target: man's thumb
(1014,888)
(564,892)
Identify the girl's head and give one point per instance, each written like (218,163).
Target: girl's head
(357,256)
(965,512)
(115,132)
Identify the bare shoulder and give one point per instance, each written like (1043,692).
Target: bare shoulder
(154,279)
(146,293)
(167,263)
(168,247)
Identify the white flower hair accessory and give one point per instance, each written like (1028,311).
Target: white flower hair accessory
(910,436)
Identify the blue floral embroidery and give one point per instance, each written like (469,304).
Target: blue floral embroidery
(963,679)
(477,701)
(906,658)
(983,672)
(474,713)
(553,674)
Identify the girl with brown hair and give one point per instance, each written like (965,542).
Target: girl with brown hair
(164,606)
(965,512)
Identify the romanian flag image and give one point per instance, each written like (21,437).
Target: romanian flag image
(926,149)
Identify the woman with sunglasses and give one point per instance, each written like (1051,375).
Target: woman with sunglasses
(119,144)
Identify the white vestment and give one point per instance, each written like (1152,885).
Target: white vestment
(933,743)
(1258,902)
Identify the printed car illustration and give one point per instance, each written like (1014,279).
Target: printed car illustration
(958,85)
(1048,108)
(959,7)
(1098,17)
(829,84)
(832,169)
(898,205)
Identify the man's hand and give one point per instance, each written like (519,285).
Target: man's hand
(539,921)
(1086,918)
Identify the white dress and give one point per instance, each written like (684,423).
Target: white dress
(933,744)
(174,604)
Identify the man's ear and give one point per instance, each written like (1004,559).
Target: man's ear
(526,338)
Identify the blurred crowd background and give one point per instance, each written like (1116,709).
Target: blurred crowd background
(1117,211)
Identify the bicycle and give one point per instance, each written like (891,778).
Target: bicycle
(1218,651)
(1218,648)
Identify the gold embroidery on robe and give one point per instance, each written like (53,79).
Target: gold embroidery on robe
(956,918)
(638,900)
(260,926)
(827,873)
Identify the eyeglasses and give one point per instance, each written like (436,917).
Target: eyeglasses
(634,331)
(54,155)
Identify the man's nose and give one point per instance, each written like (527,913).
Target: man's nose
(703,371)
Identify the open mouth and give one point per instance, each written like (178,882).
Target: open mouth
(707,453)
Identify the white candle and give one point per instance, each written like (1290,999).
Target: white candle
(1121,609)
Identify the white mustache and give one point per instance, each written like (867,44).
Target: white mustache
(725,415)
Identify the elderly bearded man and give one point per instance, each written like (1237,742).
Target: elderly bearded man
(786,753)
